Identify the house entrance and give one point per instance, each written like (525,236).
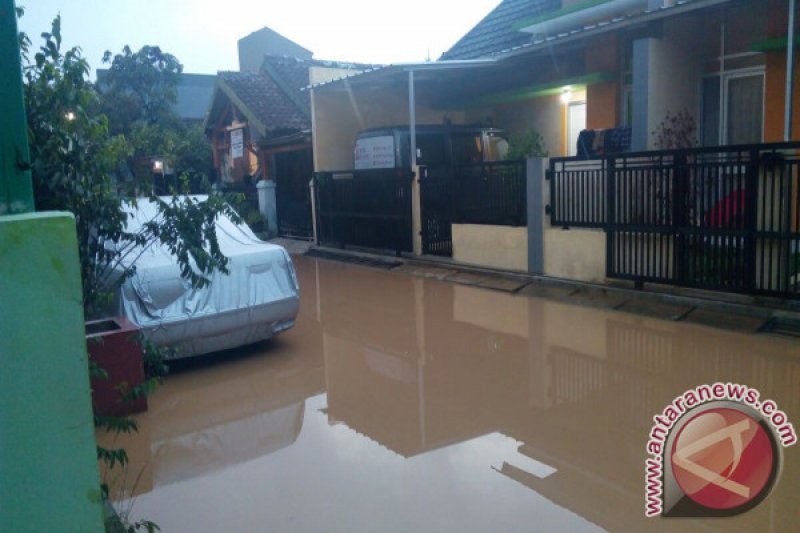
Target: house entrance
(293,171)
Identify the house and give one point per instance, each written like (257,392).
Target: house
(267,41)
(615,68)
(723,62)
(259,124)
(563,66)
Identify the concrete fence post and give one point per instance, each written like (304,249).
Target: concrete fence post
(312,190)
(267,204)
(537,203)
(416,211)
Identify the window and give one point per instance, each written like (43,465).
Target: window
(735,114)
(576,123)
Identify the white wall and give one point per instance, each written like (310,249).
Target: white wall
(675,73)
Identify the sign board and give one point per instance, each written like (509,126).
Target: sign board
(237,144)
(374,152)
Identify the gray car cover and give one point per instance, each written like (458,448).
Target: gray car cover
(257,299)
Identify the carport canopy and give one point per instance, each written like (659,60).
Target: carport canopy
(446,85)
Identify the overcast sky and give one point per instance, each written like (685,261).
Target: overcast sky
(203,33)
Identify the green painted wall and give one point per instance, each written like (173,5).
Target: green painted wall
(16,190)
(49,479)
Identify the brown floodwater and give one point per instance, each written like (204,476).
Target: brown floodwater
(405,404)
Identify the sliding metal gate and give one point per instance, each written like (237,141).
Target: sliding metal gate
(482,193)
(365,208)
(720,218)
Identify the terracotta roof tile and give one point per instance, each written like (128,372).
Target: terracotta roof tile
(268,101)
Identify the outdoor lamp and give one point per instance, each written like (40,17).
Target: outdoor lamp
(566,95)
(158,166)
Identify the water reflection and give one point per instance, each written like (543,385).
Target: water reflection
(447,407)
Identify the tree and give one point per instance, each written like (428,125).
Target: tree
(139,86)
(73,155)
(136,93)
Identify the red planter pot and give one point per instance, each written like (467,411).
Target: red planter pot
(111,343)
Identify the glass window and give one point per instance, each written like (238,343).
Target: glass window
(741,111)
(745,109)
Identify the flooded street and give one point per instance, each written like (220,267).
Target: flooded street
(405,404)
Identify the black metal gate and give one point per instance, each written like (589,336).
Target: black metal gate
(484,193)
(294,215)
(719,218)
(292,195)
(365,208)
(437,203)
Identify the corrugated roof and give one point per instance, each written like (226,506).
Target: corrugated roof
(495,33)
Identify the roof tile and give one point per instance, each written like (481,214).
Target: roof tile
(495,33)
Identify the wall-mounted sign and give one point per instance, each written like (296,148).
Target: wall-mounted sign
(237,144)
(374,152)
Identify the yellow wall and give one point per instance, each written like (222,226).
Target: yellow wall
(500,247)
(577,254)
(601,105)
(338,115)
(545,115)
(774,101)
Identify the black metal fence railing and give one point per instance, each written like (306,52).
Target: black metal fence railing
(578,190)
(367,208)
(484,193)
(724,218)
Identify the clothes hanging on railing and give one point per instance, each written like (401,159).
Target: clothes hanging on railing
(594,143)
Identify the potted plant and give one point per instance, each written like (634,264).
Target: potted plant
(116,359)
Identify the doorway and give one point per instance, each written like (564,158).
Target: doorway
(576,123)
